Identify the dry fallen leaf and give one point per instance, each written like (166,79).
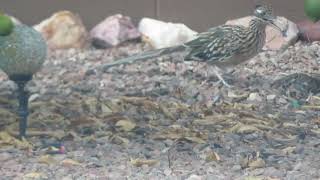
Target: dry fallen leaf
(311,107)
(195,177)
(253,178)
(316,131)
(141,162)
(316,121)
(289,125)
(70,162)
(272,178)
(125,125)
(141,101)
(213,119)
(196,140)
(105,110)
(244,129)
(8,140)
(91,103)
(119,140)
(241,106)
(47,159)
(166,112)
(35,175)
(212,156)
(6,101)
(175,132)
(257,163)
(288,150)
(6,116)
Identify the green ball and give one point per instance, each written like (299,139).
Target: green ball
(312,9)
(22,52)
(6,25)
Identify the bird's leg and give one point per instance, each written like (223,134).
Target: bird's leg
(206,74)
(219,76)
(23,111)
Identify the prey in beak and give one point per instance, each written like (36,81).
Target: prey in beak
(265,13)
(274,23)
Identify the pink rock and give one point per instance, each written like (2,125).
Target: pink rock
(274,38)
(112,31)
(309,31)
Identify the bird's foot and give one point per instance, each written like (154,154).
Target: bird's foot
(216,82)
(224,83)
(217,73)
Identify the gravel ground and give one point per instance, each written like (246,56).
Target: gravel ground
(166,119)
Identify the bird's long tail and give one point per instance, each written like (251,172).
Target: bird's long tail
(152,54)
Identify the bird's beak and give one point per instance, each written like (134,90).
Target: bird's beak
(272,21)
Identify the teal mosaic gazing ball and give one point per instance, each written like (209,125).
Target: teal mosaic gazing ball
(22,52)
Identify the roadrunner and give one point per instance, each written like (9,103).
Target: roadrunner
(222,46)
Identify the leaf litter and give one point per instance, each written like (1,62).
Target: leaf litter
(143,120)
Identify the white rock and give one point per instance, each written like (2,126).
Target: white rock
(274,38)
(63,30)
(282,101)
(162,34)
(271,97)
(33,97)
(254,97)
(194,177)
(167,172)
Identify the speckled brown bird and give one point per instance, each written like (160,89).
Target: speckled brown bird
(222,46)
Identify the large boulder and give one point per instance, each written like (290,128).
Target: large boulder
(113,31)
(162,34)
(63,30)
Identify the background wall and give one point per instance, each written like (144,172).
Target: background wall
(197,14)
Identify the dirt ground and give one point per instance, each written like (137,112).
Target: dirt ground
(166,119)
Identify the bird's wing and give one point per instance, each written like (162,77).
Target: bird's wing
(216,44)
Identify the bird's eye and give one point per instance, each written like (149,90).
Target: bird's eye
(260,11)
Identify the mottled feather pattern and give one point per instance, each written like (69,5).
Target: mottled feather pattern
(224,42)
(213,45)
